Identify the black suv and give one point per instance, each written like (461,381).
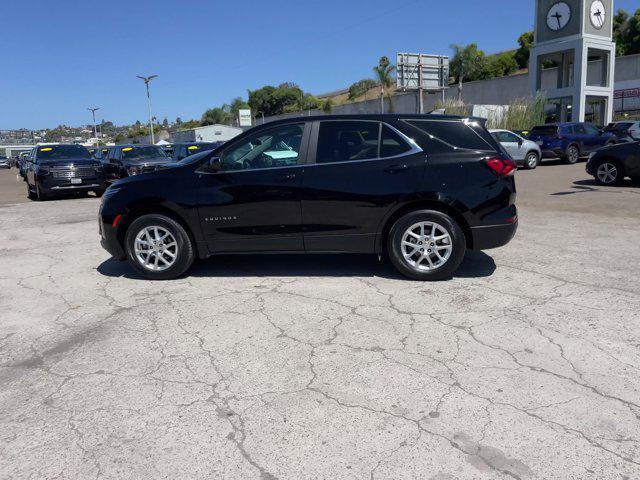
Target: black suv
(126,160)
(183,150)
(420,188)
(62,169)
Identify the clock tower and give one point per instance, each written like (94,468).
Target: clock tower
(573,59)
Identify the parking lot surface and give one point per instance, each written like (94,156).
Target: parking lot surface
(525,365)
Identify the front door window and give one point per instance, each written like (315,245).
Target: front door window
(276,147)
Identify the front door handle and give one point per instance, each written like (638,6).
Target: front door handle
(396,168)
(289,177)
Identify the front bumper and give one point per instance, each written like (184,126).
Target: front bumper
(493,236)
(53,185)
(109,239)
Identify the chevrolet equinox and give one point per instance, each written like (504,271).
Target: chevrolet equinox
(421,189)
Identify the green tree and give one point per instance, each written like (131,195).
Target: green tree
(522,54)
(178,121)
(465,64)
(270,100)
(384,74)
(633,39)
(361,87)
(621,31)
(498,65)
(214,116)
(327,105)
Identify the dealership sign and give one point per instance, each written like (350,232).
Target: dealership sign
(628,93)
(244,118)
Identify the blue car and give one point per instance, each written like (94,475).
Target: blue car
(570,141)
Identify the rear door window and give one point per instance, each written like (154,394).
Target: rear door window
(392,144)
(348,141)
(455,134)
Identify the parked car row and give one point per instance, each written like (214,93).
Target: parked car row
(58,169)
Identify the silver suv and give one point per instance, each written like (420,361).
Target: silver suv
(525,152)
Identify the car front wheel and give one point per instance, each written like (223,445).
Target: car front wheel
(426,245)
(609,172)
(158,247)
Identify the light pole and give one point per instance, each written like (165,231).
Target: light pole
(262,113)
(93,111)
(146,81)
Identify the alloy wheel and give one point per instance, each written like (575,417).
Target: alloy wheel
(607,172)
(155,248)
(574,154)
(426,246)
(532,160)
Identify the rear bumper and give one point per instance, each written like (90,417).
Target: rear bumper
(493,236)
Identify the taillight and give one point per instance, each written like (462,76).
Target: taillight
(503,167)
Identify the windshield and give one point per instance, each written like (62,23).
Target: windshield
(63,152)
(143,153)
(617,127)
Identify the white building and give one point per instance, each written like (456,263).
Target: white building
(210,133)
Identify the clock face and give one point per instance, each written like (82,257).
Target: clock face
(558,16)
(598,14)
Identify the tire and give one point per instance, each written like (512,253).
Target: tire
(573,154)
(41,197)
(531,160)
(609,172)
(30,194)
(178,243)
(407,230)
(99,193)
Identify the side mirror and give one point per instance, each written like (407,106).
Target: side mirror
(520,142)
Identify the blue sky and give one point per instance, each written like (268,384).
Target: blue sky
(59,60)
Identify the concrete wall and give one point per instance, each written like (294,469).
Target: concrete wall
(497,91)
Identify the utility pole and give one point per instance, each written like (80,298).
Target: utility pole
(146,81)
(420,86)
(93,111)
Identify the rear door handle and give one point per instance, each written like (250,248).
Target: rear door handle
(396,168)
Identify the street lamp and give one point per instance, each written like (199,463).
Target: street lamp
(146,81)
(93,111)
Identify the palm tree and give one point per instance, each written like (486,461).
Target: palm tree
(465,62)
(383,72)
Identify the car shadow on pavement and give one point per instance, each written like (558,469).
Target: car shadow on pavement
(583,186)
(474,265)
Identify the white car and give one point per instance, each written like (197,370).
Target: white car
(524,152)
(625,131)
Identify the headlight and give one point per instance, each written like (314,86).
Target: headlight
(133,170)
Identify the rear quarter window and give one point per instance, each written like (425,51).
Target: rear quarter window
(456,134)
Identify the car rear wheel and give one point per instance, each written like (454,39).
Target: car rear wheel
(531,161)
(573,154)
(609,172)
(158,247)
(426,245)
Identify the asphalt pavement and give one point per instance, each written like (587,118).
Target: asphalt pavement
(525,365)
